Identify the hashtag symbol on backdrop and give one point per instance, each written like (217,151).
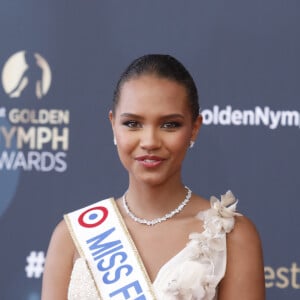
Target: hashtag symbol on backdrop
(35,264)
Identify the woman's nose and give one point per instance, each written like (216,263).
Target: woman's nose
(150,139)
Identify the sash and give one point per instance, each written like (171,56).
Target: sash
(101,237)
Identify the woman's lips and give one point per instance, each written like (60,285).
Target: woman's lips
(149,161)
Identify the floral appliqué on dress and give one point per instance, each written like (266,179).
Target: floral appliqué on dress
(195,272)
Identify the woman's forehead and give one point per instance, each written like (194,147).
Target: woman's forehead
(148,90)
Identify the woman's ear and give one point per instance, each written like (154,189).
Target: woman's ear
(111,117)
(196,127)
(112,122)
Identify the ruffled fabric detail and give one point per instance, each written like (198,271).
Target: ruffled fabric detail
(219,219)
(196,271)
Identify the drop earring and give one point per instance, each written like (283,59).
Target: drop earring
(192,143)
(115,141)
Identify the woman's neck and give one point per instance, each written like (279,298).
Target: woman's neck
(149,201)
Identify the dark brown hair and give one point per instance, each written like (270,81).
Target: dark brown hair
(164,66)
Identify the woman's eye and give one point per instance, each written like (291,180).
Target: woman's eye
(171,125)
(132,124)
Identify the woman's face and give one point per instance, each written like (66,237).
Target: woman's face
(153,128)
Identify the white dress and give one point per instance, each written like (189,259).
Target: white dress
(192,274)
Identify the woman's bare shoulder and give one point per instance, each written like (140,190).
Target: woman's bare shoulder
(61,228)
(244,277)
(61,240)
(61,233)
(244,232)
(59,263)
(61,249)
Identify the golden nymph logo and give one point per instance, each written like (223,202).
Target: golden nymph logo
(26,74)
(31,138)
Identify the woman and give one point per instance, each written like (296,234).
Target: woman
(188,248)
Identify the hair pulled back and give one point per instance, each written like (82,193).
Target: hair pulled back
(164,66)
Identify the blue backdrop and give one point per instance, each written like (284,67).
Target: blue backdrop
(59,63)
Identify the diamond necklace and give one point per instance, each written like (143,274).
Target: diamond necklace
(167,216)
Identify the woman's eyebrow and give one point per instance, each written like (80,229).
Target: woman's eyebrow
(168,116)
